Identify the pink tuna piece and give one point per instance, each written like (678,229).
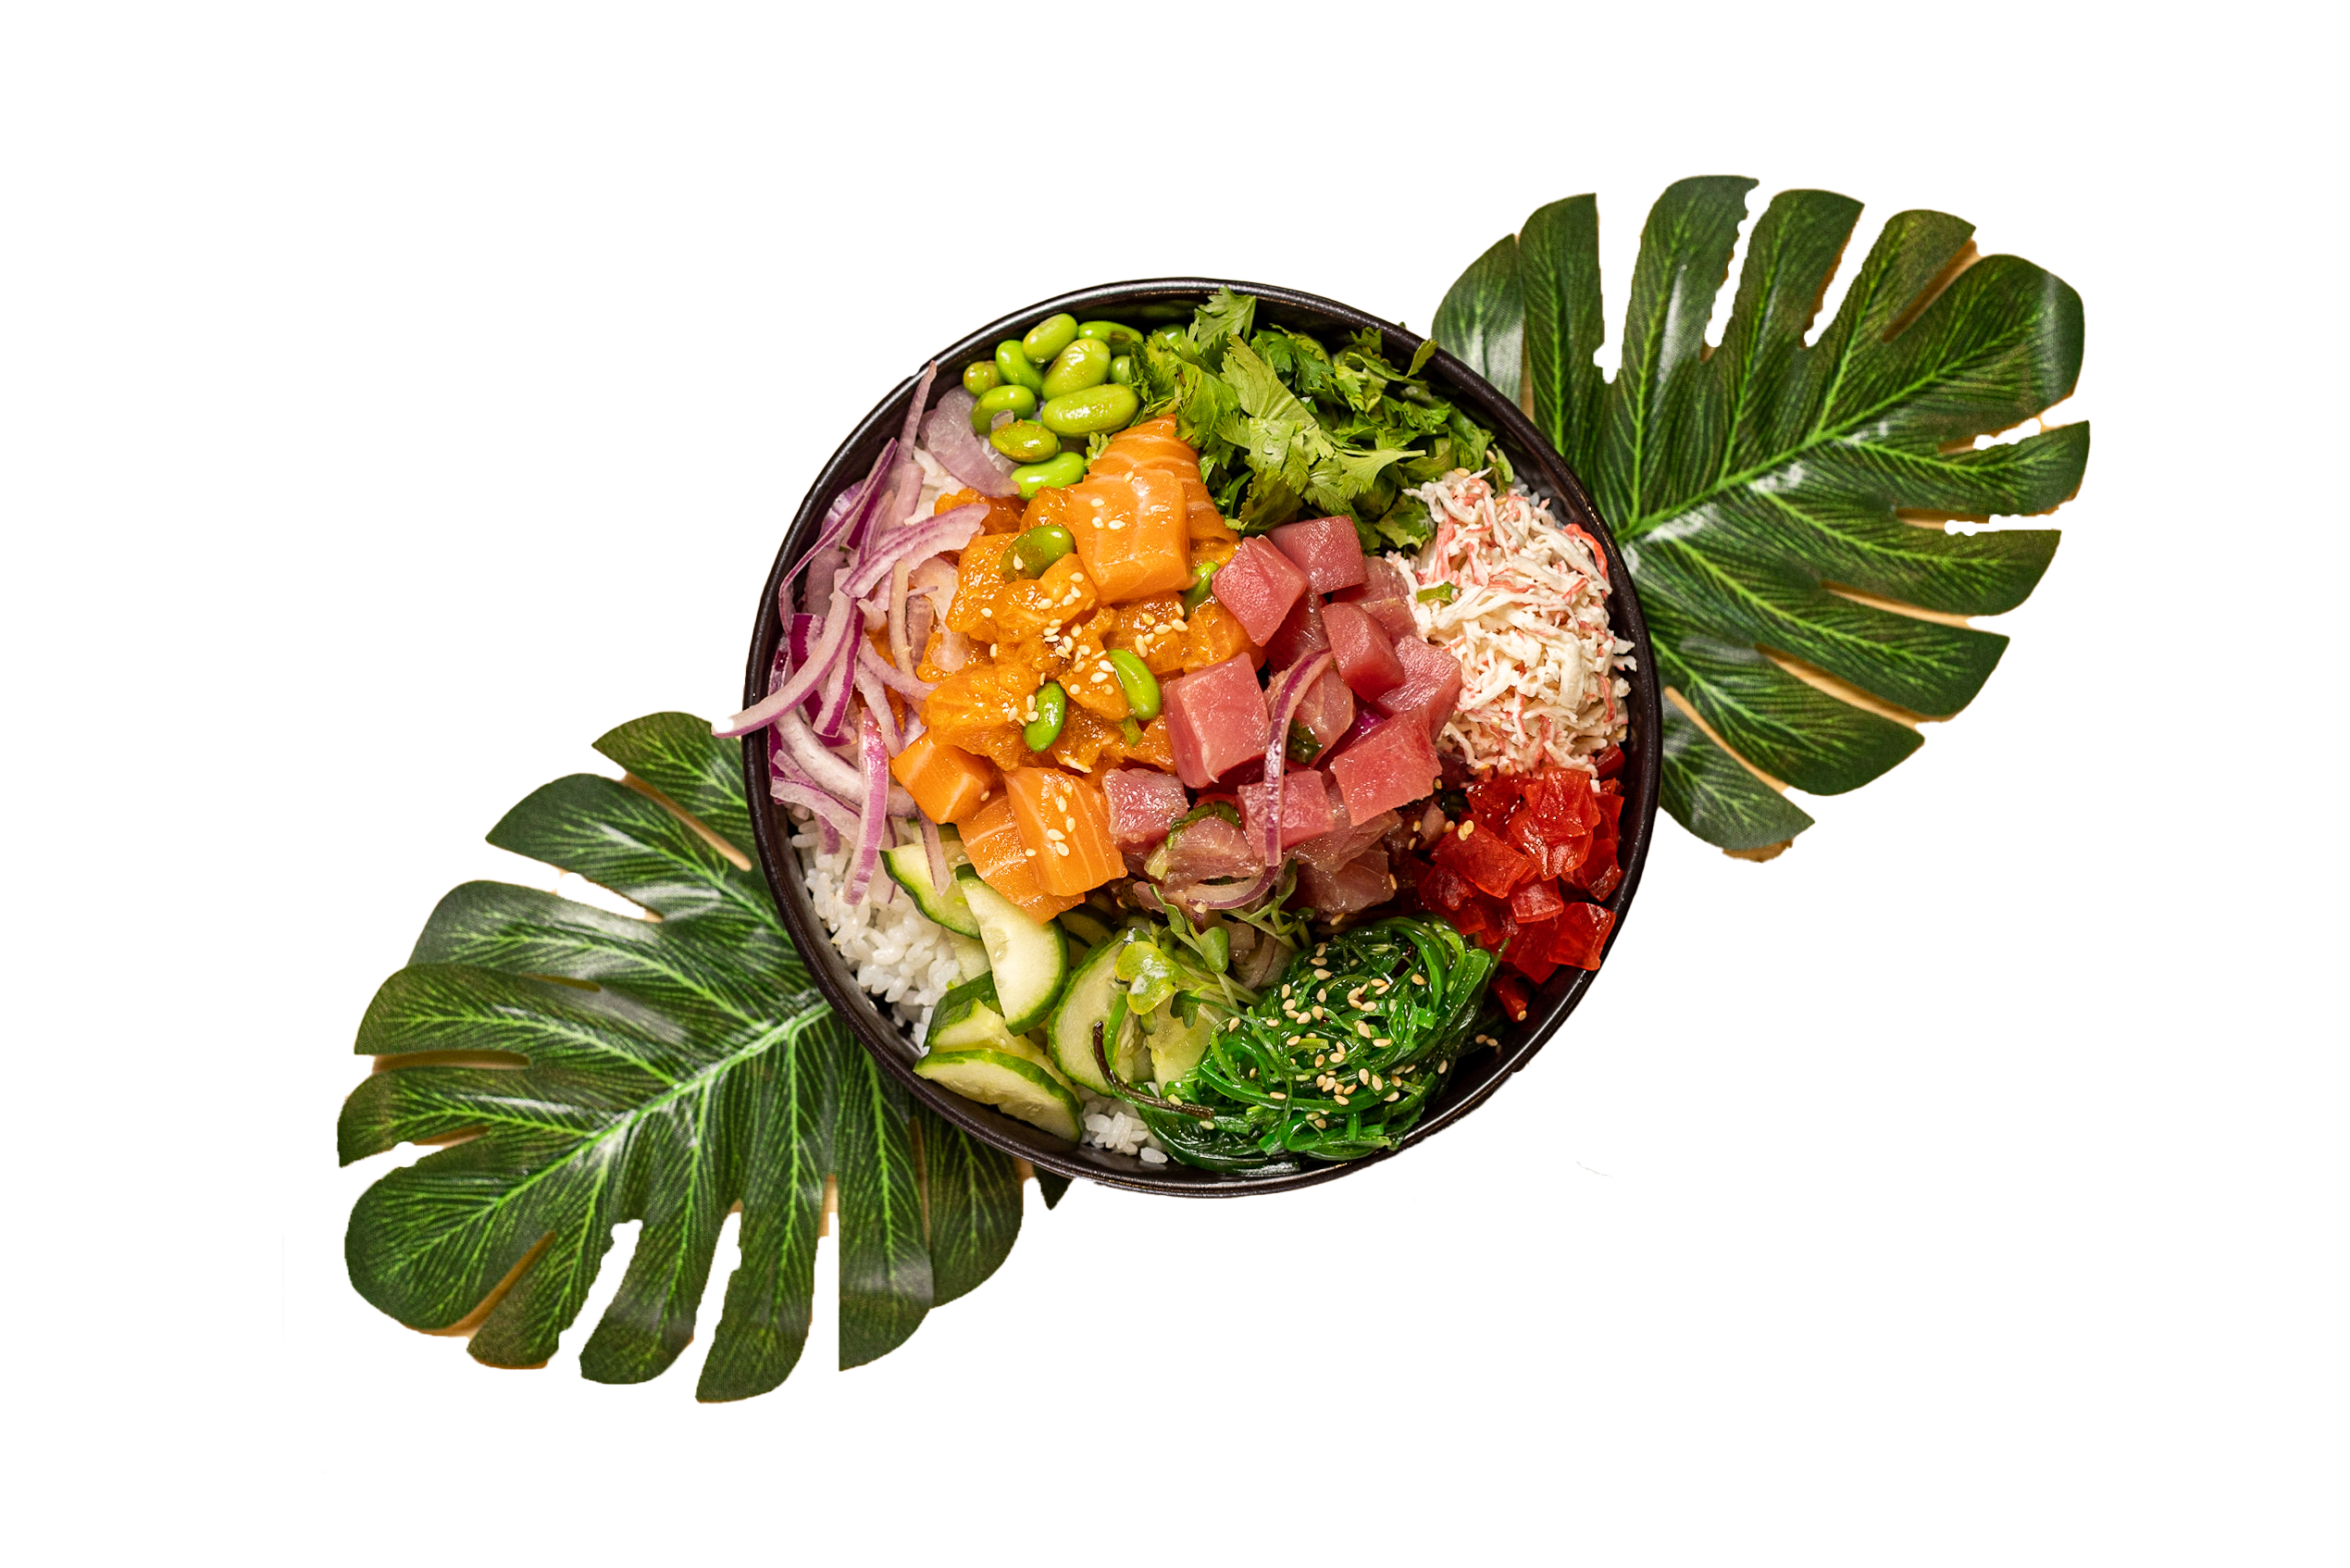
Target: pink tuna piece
(1345,841)
(1209,848)
(1325,549)
(1327,709)
(1215,719)
(1386,597)
(1366,654)
(1258,585)
(1301,635)
(1305,808)
(1392,767)
(1143,803)
(1431,684)
(1359,884)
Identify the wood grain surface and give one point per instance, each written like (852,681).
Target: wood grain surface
(1152,1334)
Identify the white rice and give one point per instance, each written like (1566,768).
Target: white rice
(898,954)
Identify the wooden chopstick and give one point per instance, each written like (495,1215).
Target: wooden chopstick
(555,466)
(334,824)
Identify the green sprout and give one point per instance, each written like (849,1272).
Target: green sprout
(496,242)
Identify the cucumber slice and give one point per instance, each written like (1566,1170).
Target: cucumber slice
(909,866)
(1496,1172)
(1084,926)
(1070,1034)
(1028,962)
(967,1019)
(970,954)
(1518,1279)
(1175,1046)
(1019,1087)
(1618,1261)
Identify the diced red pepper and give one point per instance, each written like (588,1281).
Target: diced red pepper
(1485,860)
(1609,762)
(1580,934)
(1601,863)
(1474,918)
(1537,901)
(1530,954)
(1441,888)
(1500,930)
(1606,881)
(1514,994)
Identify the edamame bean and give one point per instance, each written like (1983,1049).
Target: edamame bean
(981,377)
(1140,686)
(1025,440)
(1039,547)
(1106,407)
(1197,594)
(1066,469)
(1121,370)
(1053,711)
(1048,337)
(1014,365)
(1019,402)
(1120,338)
(1083,364)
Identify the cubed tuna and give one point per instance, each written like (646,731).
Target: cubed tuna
(1325,549)
(1216,719)
(1357,885)
(1301,636)
(1392,767)
(1305,807)
(1144,803)
(1259,585)
(1385,596)
(1366,654)
(1431,684)
(1327,709)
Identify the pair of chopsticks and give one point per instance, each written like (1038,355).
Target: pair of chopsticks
(790,405)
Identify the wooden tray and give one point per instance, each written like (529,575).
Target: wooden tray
(1148,1334)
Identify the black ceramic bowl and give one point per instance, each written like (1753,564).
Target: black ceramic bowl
(1150,303)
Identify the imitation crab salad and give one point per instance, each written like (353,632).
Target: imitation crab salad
(1199,741)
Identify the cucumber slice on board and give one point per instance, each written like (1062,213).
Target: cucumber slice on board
(1496,1172)
(1027,961)
(1019,1087)
(909,866)
(1618,1261)
(970,954)
(1511,1282)
(1069,1035)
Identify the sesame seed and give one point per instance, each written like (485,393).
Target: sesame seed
(1321,974)
(1061,849)
(1054,833)
(1275,1094)
(1363,1075)
(1391,1099)
(1382,1042)
(1364,1029)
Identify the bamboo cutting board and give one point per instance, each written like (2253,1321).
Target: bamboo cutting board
(1126,1331)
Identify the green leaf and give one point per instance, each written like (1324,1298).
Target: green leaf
(602,1069)
(1780,505)
(1482,319)
(971,1197)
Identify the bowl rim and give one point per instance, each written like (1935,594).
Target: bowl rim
(1538,465)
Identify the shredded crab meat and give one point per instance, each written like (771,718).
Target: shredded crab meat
(1528,621)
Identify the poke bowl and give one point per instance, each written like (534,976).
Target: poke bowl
(1200,737)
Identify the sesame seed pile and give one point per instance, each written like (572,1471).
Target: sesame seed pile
(1808,1099)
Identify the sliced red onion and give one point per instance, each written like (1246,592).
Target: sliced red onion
(834,722)
(877,702)
(830,656)
(947,530)
(899,652)
(920,618)
(835,816)
(1284,698)
(954,651)
(935,580)
(875,825)
(937,851)
(844,525)
(870,661)
(969,457)
(830,771)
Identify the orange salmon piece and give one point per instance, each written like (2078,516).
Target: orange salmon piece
(991,838)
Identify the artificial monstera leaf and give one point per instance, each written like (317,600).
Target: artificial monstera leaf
(1782,503)
(601,1068)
